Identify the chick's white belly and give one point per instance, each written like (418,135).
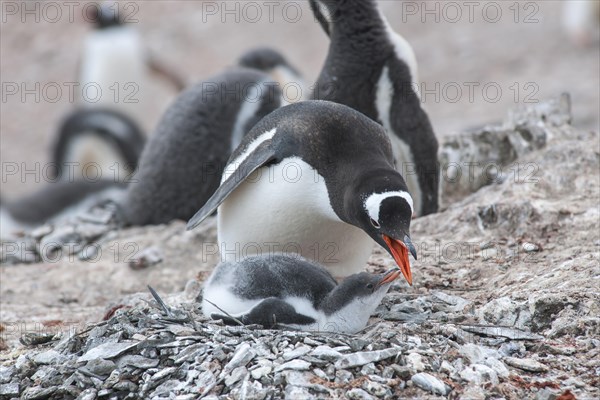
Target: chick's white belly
(285,208)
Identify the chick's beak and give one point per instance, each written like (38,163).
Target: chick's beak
(399,250)
(389,277)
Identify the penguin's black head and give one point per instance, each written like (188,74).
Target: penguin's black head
(384,212)
(263,59)
(105,16)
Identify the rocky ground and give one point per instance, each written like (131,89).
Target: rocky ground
(505,302)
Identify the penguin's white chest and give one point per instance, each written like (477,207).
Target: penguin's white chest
(285,208)
(113,72)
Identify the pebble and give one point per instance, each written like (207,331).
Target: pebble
(107,350)
(526,364)
(249,390)
(478,374)
(297,393)
(343,376)
(260,372)
(376,389)
(48,357)
(137,362)
(358,394)
(430,383)
(414,361)
(242,356)
(326,353)
(530,247)
(498,367)
(362,358)
(88,394)
(297,352)
(147,258)
(100,366)
(296,365)
(236,375)
(9,389)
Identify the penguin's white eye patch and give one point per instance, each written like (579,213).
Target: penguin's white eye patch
(375,224)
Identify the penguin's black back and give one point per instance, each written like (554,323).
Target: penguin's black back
(182,163)
(358,51)
(340,143)
(278,276)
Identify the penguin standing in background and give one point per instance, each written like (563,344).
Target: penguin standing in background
(372,69)
(281,289)
(314,178)
(106,140)
(115,68)
(273,63)
(181,166)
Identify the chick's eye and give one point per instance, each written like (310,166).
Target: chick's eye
(370,286)
(375,224)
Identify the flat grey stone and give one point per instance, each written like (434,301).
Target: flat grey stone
(295,353)
(107,350)
(9,389)
(326,353)
(6,373)
(88,394)
(236,375)
(100,366)
(48,357)
(362,358)
(296,365)
(137,362)
(430,383)
(358,394)
(526,364)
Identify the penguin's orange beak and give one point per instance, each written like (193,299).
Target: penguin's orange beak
(400,253)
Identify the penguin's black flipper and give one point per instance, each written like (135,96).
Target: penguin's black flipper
(259,157)
(268,313)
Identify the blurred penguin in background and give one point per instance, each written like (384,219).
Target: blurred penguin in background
(271,62)
(581,20)
(116,68)
(97,141)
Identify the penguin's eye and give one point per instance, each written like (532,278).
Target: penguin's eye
(375,224)
(369,286)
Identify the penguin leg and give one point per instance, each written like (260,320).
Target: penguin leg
(268,313)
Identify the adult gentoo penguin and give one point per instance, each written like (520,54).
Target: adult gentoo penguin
(372,69)
(290,290)
(99,139)
(181,165)
(314,178)
(273,63)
